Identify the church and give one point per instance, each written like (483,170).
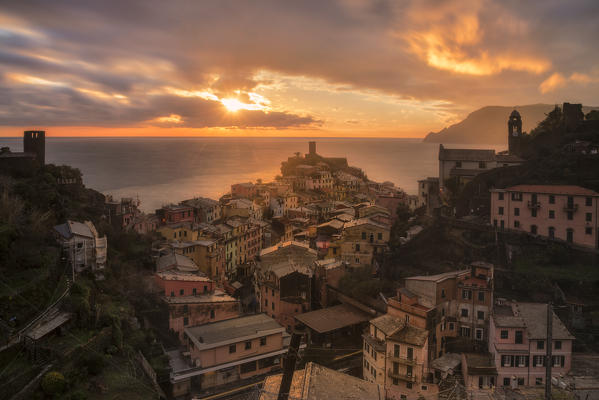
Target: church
(464,164)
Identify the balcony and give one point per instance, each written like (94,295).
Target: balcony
(401,376)
(534,205)
(570,207)
(402,360)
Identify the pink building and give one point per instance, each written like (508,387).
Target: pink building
(173,214)
(518,343)
(246,190)
(561,212)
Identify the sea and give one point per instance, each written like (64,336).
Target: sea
(159,171)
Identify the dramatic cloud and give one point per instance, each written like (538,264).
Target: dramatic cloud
(341,65)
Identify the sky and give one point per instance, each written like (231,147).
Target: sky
(382,68)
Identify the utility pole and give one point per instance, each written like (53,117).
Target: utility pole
(548,357)
(289,363)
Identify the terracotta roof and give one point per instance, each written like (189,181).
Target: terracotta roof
(388,324)
(411,335)
(333,318)
(571,190)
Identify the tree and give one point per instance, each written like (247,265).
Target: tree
(53,383)
(592,115)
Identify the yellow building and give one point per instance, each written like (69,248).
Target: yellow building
(360,241)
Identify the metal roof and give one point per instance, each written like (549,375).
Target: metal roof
(333,318)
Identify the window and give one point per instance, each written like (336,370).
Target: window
(458,164)
(395,381)
(551,214)
(516,224)
(465,331)
(185,321)
(551,232)
(410,353)
(504,334)
(517,196)
(248,345)
(533,229)
(558,361)
(466,294)
(482,165)
(500,212)
(506,381)
(194,291)
(172,293)
(500,196)
(507,361)
(569,235)
(408,385)
(379,236)
(424,387)
(185,309)
(517,212)
(558,345)
(533,212)
(247,367)
(363,235)
(588,201)
(272,291)
(519,337)
(481,296)
(265,302)
(272,306)
(479,334)
(540,344)
(181,292)
(395,350)
(588,217)
(480,315)
(212,314)
(451,326)
(588,230)
(357,246)
(232,348)
(520,381)
(570,215)
(538,361)
(551,199)
(443,293)
(538,381)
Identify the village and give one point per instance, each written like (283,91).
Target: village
(251,296)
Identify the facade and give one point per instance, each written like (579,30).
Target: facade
(205,210)
(228,351)
(192,299)
(208,255)
(361,240)
(396,357)
(283,280)
(245,190)
(454,306)
(82,245)
(428,194)
(518,343)
(173,214)
(561,212)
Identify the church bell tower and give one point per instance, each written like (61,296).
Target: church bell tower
(514,130)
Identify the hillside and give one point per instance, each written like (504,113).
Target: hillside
(488,125)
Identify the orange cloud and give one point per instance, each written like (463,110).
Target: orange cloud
(557,81)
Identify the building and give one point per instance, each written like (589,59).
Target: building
(518,343)
(557,212)
(173,214)
(396,357)
(32,157)
(454,306)
(316,382)
(479,371)
(283,280)
(207,254)
(428,194)
(82,245)
(245,190)
(327,273)
(192,299)
(205,210)
(360,242)
(227,351)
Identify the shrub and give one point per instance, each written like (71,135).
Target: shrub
(53,383)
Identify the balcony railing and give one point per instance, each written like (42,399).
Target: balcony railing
(534,205)
(401,376)
(571,207)
(403,360)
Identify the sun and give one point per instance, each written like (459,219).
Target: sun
(234,105)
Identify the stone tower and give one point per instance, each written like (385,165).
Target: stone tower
(312,148)
(35,142)
(514,130)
